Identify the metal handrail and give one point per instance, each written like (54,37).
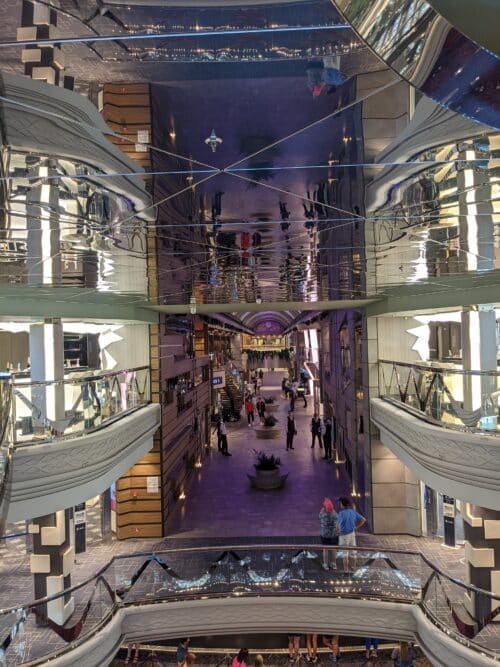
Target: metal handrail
(425,367)
(248,547)
(9,448)
(79,380)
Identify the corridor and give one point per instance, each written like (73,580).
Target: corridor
(221,503)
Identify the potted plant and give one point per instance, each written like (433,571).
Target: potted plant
(268,474)
(269,429)
(271,405)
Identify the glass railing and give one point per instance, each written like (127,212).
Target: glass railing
(457,399)
(27,633)
(43,411)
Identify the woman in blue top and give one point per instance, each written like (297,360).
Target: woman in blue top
(328,533)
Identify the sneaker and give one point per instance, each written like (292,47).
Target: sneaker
(315,659)
(325,566)
(308,658)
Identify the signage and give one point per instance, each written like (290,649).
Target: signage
(143,136)
(80,519)
(152,484)
(219,379)
(449,520)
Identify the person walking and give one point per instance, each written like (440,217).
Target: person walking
(312,648)
(328,533)
(250,409)
(316,431)
(291,431)
(293,395)
(327,439)
(223,436)
(348,521)
(261,374)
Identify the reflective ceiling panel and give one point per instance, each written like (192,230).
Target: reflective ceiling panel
(289,163)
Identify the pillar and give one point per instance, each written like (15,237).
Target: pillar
(482,554)
(53,556)
(44,63)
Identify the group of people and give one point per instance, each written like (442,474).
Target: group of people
(253,404)
(339,529)
(402,656)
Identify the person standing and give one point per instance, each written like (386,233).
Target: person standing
(241,659)
(404,655)
(261,409)
(348,521)
(219,435)
(293,395)
(327,439)
(332,642)
(312,648)
(182,651)
(261,374)
(371,646)
(223,436)
(291,431)
(249,409)
(294,648)
(328,533)
(316,430)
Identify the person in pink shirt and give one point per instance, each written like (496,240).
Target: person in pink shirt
(241,659)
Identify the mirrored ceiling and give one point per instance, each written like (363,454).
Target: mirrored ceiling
(254,153)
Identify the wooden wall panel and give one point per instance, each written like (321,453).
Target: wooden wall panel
(127,109)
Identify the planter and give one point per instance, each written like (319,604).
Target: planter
(268,432)
(267,480)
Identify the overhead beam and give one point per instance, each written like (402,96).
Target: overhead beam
(276,306)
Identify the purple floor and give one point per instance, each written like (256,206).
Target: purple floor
(220,501)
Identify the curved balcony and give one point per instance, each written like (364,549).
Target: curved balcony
(443,424)
(429,53)
(105,425)
(259,589)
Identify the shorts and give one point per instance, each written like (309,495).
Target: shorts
(332,541)
(347,540)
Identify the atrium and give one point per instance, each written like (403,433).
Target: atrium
(249,333)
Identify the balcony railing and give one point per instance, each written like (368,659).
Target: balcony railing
(196,573)
(6,445)
(455,399)
(43,411)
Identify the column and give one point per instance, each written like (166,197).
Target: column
(482,554)
(51,563)
(45,63)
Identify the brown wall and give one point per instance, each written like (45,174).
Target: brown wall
(127,109)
